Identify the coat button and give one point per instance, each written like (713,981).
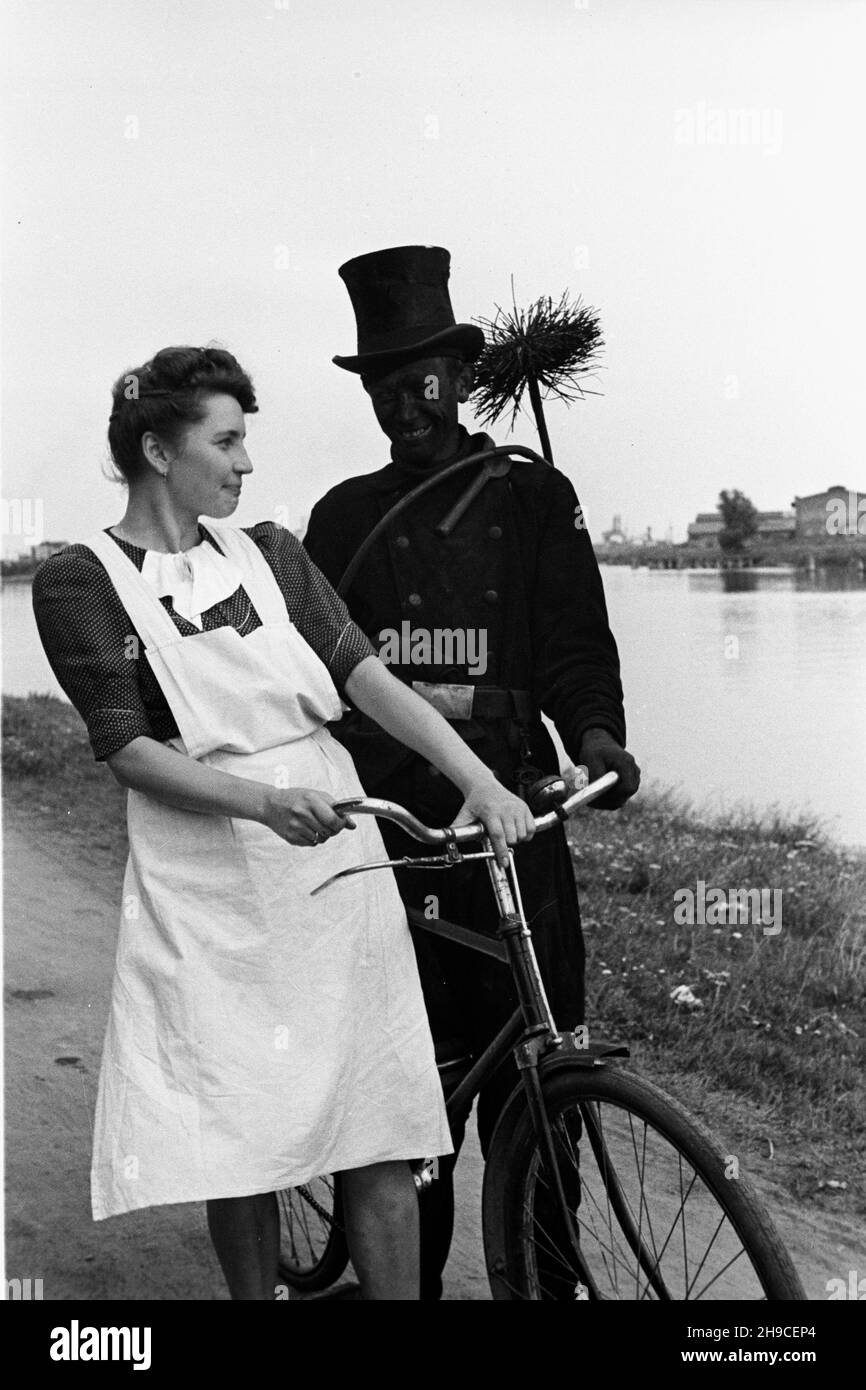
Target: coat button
(432,771)
(495,532)
(403,542)
(414,599)
(491,596)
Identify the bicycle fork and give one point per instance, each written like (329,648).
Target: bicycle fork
(540,1036)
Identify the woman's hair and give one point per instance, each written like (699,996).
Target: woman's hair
(167,394)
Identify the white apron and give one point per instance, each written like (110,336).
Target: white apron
(257,1036)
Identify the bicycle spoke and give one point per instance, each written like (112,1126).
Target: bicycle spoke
(651,1218)
(677,1238)
(584,1221)
(289,1213)
(682,1209)
(722,1221)
(306,1224)
(614,1236)
(612,1181)
(624,1258)
(616,1249)
(724,1267)
(607,1193)
(532,1221)
(539,1238)
(643,1202)
(302,1219)
(680,1213)
(551,1248)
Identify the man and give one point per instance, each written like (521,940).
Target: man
(495,616)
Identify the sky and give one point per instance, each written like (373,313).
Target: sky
(194,171)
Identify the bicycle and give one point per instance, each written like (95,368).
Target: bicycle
(597,1185)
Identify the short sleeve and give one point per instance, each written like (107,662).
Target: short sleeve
(318,613)
(91,647)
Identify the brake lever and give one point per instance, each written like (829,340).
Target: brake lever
(453,855)
(448,860)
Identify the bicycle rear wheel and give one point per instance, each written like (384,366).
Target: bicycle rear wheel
(657,1217)
(313,1249)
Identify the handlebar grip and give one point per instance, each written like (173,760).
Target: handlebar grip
(460,834)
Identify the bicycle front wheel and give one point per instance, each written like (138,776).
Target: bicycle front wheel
(313,1248)
(660,1211)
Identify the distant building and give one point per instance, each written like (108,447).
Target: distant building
(705,530)
(616,535)
(777,526)
(45,549)
(835,512)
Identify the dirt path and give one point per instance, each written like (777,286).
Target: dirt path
(60,930)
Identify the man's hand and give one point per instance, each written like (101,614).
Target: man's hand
(600,753)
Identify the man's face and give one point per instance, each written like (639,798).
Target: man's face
(416,406)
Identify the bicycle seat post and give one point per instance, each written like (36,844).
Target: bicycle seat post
(515,933)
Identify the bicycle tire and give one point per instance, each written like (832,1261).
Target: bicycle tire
(313,1248)
(610,1100)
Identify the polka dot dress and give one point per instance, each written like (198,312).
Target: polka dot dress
(99,661)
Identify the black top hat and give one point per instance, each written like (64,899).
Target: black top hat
(403,309)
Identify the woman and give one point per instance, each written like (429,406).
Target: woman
(257,1035)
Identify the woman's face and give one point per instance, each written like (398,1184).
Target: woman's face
(208,465)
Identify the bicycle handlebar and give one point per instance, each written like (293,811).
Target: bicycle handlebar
(460,834)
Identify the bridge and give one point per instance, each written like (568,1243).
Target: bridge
(661,555)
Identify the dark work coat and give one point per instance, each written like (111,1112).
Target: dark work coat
(519,567)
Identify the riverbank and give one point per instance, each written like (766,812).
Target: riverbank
(768,1044)
(841,553)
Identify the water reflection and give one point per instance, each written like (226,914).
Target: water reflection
(739,581)
(747,693)
(830,579)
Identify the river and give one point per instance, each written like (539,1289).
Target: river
(741,688)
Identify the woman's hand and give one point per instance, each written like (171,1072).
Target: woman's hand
(301,816)
(507,819)
(403,714)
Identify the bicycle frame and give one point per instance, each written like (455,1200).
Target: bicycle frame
(513,946)
(540,1052)
(532,1045)
(513,1031)
(530,1033)
(459,1102)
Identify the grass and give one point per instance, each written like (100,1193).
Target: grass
(51,779)
(775,1056)
(780,1026)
